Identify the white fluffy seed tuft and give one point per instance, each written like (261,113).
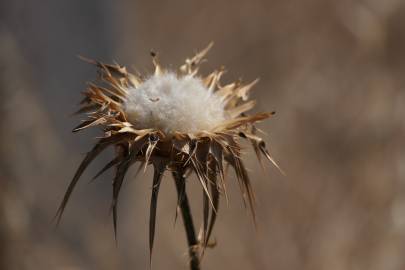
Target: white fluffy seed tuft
(170,103)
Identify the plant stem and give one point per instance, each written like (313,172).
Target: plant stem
(187,220)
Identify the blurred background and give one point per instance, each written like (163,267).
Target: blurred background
(332,70)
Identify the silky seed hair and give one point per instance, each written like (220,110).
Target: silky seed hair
(176,121)
(172,103)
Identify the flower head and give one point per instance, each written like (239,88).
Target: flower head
(176,121)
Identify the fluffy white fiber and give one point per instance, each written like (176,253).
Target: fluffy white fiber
(170,103)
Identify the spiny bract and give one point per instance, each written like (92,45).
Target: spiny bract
(176,121)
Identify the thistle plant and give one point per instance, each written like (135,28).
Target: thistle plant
(176,121)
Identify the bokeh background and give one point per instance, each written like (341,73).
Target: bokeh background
(332,70)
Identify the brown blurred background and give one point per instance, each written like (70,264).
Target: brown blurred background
(333,71)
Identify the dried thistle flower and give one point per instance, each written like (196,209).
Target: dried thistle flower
(180,122)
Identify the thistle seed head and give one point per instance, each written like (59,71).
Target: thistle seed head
(177,121)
